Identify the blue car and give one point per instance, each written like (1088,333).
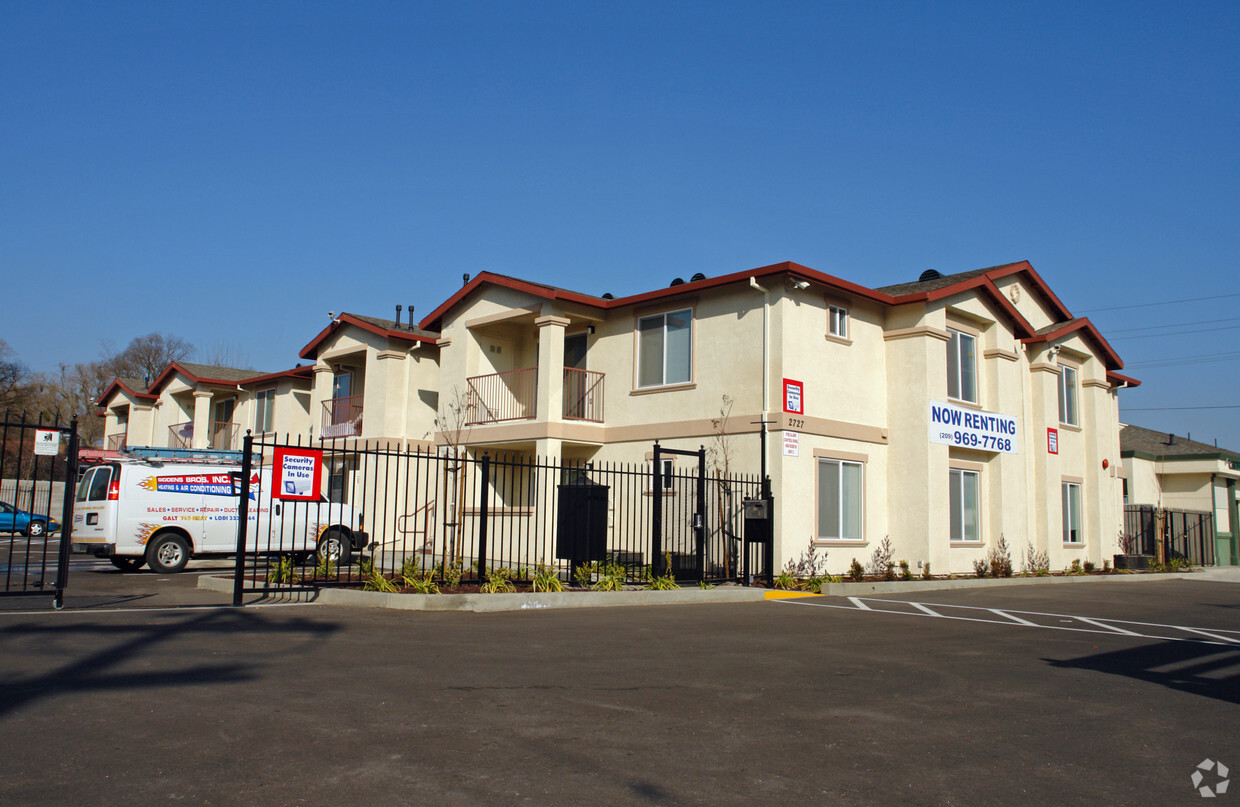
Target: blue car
(32,525)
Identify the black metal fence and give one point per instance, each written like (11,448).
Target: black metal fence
(443,516)
(1187,534)
(36,455)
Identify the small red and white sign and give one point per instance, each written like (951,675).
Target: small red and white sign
(794,397)
(297,474)
(1052,441)
(792,444)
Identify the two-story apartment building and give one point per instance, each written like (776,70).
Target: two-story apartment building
(942,413)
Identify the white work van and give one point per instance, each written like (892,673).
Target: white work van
(140,511)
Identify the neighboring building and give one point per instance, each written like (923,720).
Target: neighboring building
(1165,471)
(849,380)
(201,406)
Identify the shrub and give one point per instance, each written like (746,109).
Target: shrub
(497,582)
(1074,567)
(856,572)
(999,559)
(324,566)
(665,581)
(981,567)
(787,581)
(417,579)
(1089,567)
(1127,542)
(880,564)
(373,579)
(809,564)
(452,573)
(925,572)
(1035,561)
(584,574)
(905,572)
(282,571)
(612,576)
(1106,566)
(546,578)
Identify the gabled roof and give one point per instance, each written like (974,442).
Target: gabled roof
(981,280)
(1135,441)
(301,372)
(381,327)
(130,386)
(433,320)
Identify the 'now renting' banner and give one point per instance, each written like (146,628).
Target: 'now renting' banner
(963,427)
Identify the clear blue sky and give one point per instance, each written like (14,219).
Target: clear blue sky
(231,172)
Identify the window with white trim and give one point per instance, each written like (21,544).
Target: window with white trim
(1071,502)
(264,411)
(966,512)
(1067,396)
(837,321)
(840,497)
(665,348)
(961,366)
(666,479)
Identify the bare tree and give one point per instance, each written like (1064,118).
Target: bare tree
(145,357)
(225,355)
(453,423)
(720,456)
(15,380)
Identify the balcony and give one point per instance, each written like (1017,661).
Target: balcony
(117,442)
(181,435)
(342,417)
(223,435)
(583,395)
(501,397)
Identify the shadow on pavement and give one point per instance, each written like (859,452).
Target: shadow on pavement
(97,671)
(1209,670)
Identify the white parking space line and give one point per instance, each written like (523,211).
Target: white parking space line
(1115,628)
(1007,617)
(1012,617)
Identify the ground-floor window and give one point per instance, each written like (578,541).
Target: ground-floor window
(1071,513)
(839,500)
(965,505)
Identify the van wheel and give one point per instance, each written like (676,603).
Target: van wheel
(336,547)
(168,553)
(127,564)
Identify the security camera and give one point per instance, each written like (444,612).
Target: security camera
(799,285)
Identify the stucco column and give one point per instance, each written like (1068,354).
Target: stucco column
(550,400)
(320,391)
(202,419)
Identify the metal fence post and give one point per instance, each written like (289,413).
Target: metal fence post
(656,515)
(700,519)
(66,515)
(483,515)
(243,516)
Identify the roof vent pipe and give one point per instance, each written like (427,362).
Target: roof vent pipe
(411,316)
(466,276)
(398,310)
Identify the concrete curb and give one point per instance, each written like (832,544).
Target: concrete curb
(512,602)
(688,596)
(908,586)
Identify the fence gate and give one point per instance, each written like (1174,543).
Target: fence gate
(38,469)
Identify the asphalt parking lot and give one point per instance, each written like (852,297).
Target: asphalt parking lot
(142,692)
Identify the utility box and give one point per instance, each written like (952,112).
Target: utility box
(581,534)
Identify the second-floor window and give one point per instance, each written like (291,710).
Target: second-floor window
(665,349)
(837,321)
(264,411)
(1067,396)
(962,366)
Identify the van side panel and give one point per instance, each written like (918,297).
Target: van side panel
(155,497)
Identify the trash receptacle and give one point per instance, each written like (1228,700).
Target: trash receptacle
(581,535)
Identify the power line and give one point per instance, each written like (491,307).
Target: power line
(1166,335)
(1162,302)
(1179,362)
(1172,325)
(1172,408)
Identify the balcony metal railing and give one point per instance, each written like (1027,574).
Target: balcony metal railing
(223,435)
(500,397)
(181,435)
(342,417)
(116,442)
(583,395)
